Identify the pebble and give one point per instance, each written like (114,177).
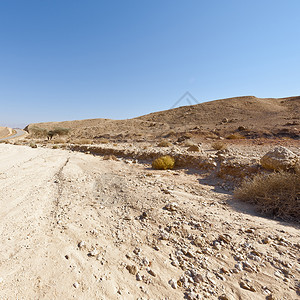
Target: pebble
(81,244)
(164,236)
(137,251)
(224,297)
(173,283)
(191,296)
(151,272)
(94,252)
(145,261)
(171,206)
(132,269)
(138,277)
(246,286)
(76,285)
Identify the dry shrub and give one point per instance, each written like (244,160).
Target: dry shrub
(82,142)
(59,141)
(33,145)
(103,141)
(55,147)
(188,143)
(235,136)
(194,148)
(164,144)
(109,157)
(275,194)
(219,146)
(163,163)
(171,133)
(38,132)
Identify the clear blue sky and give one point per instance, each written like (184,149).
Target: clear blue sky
(77,59)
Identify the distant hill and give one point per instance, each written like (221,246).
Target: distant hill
(250,116)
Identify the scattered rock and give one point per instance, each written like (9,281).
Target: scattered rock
(173,283)
(280,158)
(194,148)
(247,287)
(81,245)
(171,206)
(76,285)
(132,269)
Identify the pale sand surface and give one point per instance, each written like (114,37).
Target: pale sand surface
(51,200)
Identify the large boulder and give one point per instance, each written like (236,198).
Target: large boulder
(280,158)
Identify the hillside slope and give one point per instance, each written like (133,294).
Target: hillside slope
(253,116)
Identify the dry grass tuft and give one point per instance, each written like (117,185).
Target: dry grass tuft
(194,148)
(164,144)
(82,142)
(33,145)
(235,136)
(59,141)
(103,141)
(110,157)
(163,163)
(219,146)
(275,194)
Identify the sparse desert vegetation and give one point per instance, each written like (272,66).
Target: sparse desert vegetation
(163,163)
(219,146)
(275,194)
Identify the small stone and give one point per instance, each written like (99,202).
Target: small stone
(145,261)
(76,285)
(171,206)
(164,236)
(224,270)
(250,230)
(132,269)
(224,297)
(81,244)
(137,251)
(266,240)
(138,277)
(198,278)
(226,238)
(246,286)
(173,283)
(199,241)
(94,252)
(152,273)
(191,296)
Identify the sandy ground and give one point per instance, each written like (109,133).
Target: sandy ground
(74,226)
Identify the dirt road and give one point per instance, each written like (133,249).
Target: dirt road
(74,226)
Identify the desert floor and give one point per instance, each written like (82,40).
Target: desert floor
(75,226)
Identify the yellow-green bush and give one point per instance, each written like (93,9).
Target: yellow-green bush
(163,163)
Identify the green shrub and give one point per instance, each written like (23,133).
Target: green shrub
(38,132)
(275,194)
(163,163)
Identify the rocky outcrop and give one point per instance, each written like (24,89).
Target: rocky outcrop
(280,158)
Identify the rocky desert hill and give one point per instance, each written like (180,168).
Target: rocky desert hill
(251,117)
(85,214)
